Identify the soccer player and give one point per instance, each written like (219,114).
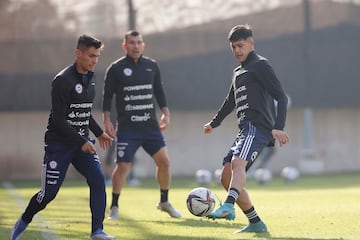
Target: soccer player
(135,81)
(254,86)
(67,139)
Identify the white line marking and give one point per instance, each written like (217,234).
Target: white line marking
(39,221)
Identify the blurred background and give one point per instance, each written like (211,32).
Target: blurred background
(313,46)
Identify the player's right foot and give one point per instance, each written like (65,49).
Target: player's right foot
(114,213)
(167,207)
(226,210)
(101,235)
(18,229)
(254,227)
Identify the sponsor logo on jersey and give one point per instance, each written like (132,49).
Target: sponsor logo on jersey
(78,88)
(241,98)
(79,115)
(242,107)
(81,105)
(81,132)
(240,89)
(127,72)
(78,123)
(137,87)
(129,107)
(137,97)
(144,118)
(241,117)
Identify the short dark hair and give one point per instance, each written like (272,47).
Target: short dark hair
(240,32)
(85,41)
(133,33)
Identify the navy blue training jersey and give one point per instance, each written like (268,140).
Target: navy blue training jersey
(136,86)
(70,119)
(253,90)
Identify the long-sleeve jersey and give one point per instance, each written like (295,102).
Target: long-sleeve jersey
(70,118)
(253,90)
(136,86)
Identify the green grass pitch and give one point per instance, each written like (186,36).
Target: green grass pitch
(314,207)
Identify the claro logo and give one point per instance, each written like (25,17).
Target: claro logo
(144,118)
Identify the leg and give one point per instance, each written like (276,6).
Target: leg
(163,177)
(243,200)
(118,182)
(109,160)
(244,151)
(127,144)
(89,166)
(162,168)
(119,176)
(56,162)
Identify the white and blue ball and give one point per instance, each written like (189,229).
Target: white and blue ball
(200,201)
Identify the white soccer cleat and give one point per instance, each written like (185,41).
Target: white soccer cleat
(114,213)
(167,207)
(101,235)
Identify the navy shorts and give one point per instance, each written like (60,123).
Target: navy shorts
(248,144)
(129,141)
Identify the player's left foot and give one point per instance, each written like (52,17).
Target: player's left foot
(226,210)
(101,235)
(167,207)
(254,227)
(18,229)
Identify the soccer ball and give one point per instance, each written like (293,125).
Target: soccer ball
(290,174)
(203,177)
(262,175)
(200,201)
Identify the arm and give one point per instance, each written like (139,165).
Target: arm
(109,127)
(271,83)
(161,101)
(165,118)
(226,108)
(108,93)
(273,86)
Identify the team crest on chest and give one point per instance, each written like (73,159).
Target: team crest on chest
(127,72)
(78,88)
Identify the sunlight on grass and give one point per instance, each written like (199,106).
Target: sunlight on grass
(315,207)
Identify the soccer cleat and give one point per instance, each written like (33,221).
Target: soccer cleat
(18,229)
(226,210)
(114,213)
(101,235)
(167,207)
(254,227)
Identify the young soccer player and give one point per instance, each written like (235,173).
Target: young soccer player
(253,89)
(67,139)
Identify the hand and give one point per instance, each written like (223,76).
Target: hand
(164,122)
(208,128)
(109,129)
(105,141)
(281,136)
(88,147)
